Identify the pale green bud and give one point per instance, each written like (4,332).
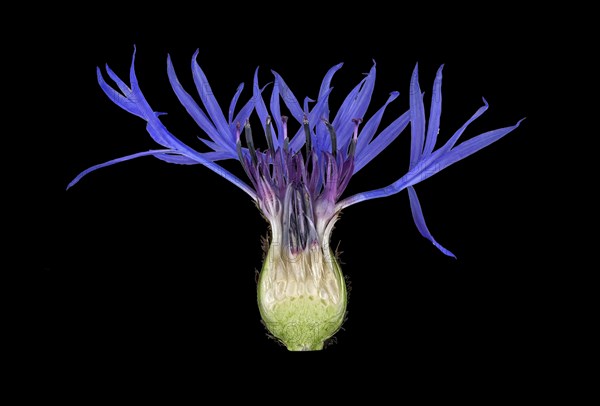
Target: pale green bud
(302,298)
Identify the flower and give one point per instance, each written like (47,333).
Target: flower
(298,180)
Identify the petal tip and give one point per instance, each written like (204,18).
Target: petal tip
(415,73)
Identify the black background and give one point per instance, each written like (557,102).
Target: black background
(146,266)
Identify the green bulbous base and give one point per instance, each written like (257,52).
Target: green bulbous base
(302,301)
(304,323)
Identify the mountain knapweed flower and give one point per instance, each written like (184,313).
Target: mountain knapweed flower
(298,179)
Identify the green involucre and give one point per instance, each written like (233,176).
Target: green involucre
(302,300)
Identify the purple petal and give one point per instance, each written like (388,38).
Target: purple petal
(122,86)
(139,106)
(242,115)
(132,78)
(276,116)
(450,143)
(192,108)
(314,116)
(419,220)
(259,103)
(177,159)
(430,167)
(210,144)
(369,129)
(307,100)
(217,155)
(233,103)
(314,119)
(209,100)
(161,135)
(472,145)
(342,113)
(116,161)
(356,108)
(417,119)
(325,84)
(323,141)
(159,132)
(381,141)
(117,98)
(435,113)
(184,160)
(161,154)
(288,98)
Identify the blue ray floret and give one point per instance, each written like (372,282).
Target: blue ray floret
(298,180)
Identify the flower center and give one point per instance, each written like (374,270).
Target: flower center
(297,190)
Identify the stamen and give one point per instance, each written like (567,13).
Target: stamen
(269,137)
(286,141)
(238,144)
(333,137)
(238,131)
(352,149)
(299,209)
(308,136)
(250,142)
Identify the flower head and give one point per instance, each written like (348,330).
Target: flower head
(298,180)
